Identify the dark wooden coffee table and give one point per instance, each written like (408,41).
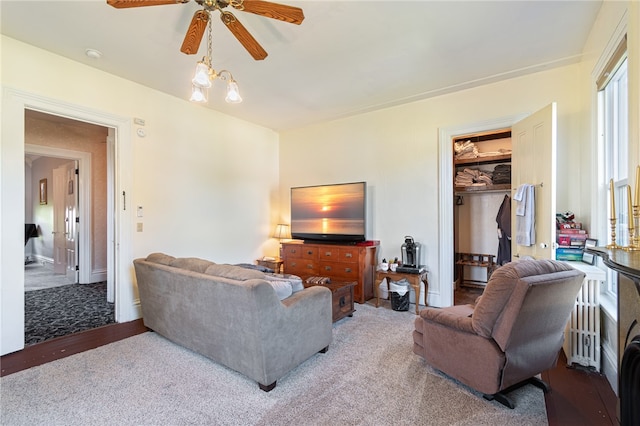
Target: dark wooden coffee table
(342,298)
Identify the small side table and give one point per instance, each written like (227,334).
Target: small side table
(276,264)
(414,281)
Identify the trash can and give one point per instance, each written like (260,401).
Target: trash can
(399,294)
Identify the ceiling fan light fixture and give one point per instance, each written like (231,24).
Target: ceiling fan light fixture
(203,74)
(199,94)
(233,93)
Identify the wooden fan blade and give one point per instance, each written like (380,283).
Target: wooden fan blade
(123,4)
(293,15)
(243,36)
(194,34)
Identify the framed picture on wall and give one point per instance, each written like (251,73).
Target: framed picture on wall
(43,191)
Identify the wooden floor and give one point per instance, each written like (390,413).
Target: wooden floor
(577,397)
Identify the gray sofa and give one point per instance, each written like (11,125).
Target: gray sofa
(233,315)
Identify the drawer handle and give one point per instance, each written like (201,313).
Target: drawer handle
(309,266)
(293,251)
(347,270)
(293,264)
(342,302)
(310,252)
(327,268)
(348,255)
(328,254)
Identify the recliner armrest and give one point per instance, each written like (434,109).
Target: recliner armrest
(456,317)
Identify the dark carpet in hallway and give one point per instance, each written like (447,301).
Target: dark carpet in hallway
(60,311)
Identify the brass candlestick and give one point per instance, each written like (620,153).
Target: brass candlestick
(613,244)
(634,232)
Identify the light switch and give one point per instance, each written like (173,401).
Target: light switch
(139,227)
(140,212)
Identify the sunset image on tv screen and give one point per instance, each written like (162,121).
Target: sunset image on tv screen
(332,209)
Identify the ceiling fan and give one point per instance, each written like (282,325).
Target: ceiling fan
(201,18)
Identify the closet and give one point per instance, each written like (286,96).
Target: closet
(482,190)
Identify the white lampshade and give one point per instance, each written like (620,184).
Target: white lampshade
(282,231)
(233,93)
(202,76)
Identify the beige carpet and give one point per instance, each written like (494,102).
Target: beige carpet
(38,276)
(369,376)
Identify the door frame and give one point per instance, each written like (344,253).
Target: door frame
(12,182)
(84,204)
(443,290)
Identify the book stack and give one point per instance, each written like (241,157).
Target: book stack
(571,239)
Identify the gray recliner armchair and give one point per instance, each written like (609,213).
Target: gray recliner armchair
(513,332)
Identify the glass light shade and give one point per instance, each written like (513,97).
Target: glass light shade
(233,93)
(201,77)
(199,94)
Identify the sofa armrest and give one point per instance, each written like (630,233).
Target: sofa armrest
(456,317)
(304,296)
(300,326)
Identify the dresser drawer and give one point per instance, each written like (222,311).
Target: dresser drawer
(292,251)
(337,254)
(349,255)
(301,267)
(339,270)
(309,252)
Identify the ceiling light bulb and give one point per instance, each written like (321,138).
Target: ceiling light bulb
(233,93)
(201,77)
(198,94)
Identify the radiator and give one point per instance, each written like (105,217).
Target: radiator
(582,335)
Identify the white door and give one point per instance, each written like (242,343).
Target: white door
(534,162)
(59,239)
(71,219)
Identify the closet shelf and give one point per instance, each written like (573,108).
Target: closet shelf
(484,160)
(482,189)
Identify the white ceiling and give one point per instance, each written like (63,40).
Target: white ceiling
(346,58)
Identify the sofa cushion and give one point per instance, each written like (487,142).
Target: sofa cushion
(161,258)
(191,264)
(256,267)
(282,288)
(233,272)
(294,281)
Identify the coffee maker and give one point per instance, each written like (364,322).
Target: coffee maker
(410,253)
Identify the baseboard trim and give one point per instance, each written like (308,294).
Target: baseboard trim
(98,276)
(610,366)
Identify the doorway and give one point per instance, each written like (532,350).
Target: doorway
(446,261)
(67,260)
(120,253)
(533,163)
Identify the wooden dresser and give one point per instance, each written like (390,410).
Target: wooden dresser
(338,262)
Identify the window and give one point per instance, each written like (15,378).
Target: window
(613,127)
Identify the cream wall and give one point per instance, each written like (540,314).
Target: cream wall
(396,152)
(208,182)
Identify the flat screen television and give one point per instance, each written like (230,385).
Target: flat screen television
(331,213)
